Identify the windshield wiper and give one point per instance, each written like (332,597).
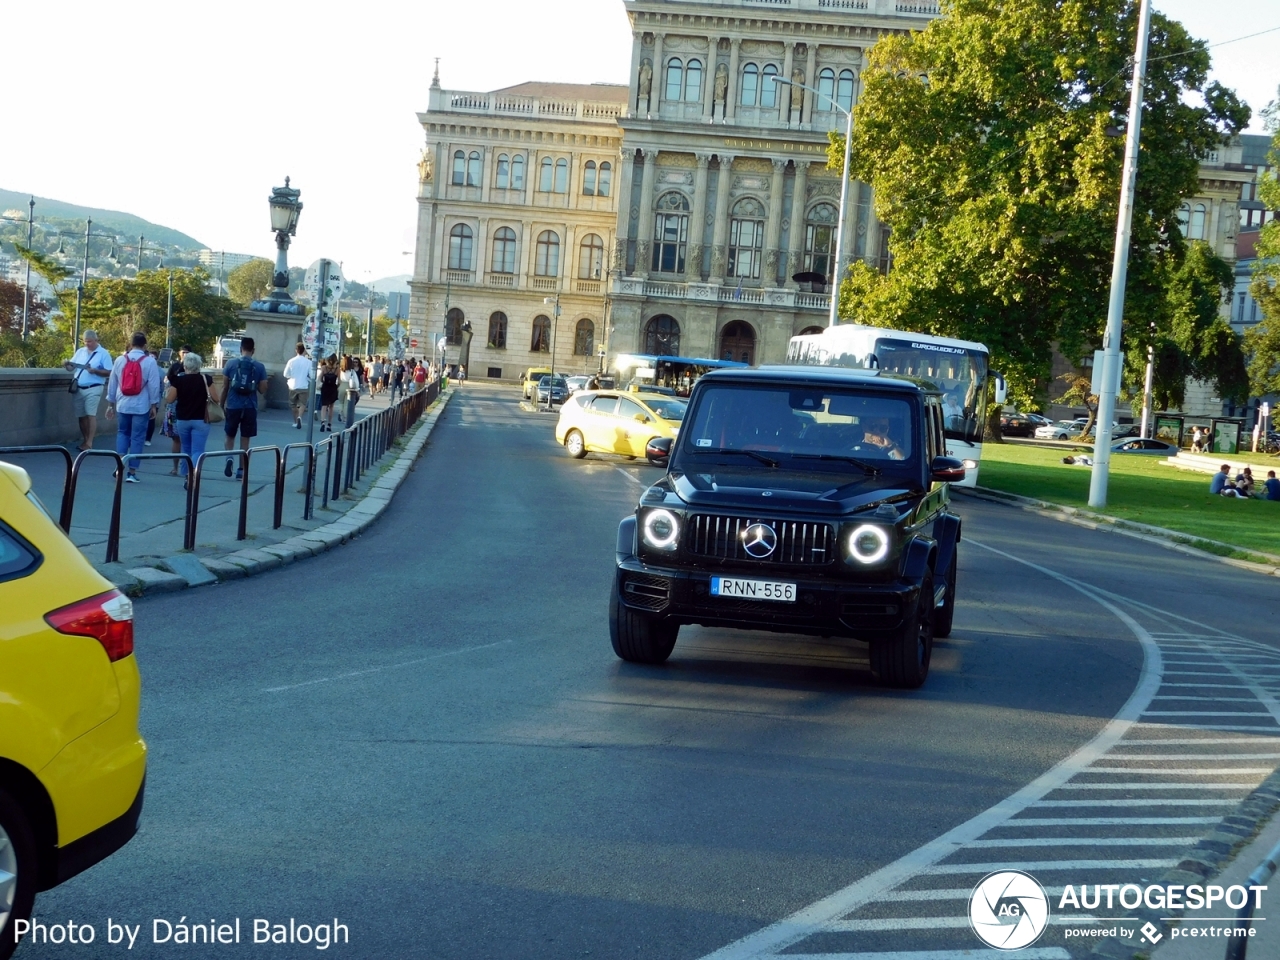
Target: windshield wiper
(768,461)
(870,470)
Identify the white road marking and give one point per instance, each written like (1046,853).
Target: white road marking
(389,666)
(1205,713)
(633,479)
(933,923)
(1192,756)
(1034,953)
(1153,802)
(1108,821)
(1160,786)
(1027,866)
(1083,842)
(1190,771)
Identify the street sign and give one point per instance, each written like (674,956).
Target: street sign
(396,331)
(413,343)
(311,283)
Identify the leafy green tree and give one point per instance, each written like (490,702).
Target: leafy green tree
(1263,341)
(117,308)
(43,264)
(990,140)
(250,281)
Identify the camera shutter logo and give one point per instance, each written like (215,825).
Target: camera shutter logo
(759,540)
(1008,910)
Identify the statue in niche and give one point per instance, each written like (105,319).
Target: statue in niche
(797,93)
(722,83)
(424,167)
(646,78)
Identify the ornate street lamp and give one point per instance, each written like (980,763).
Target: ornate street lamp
(285,208)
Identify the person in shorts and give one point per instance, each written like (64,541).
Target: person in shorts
(91,366)
(245,379)
(297,372)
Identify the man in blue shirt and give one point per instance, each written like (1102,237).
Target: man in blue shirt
(245,379)
(1221,483)
(1272,486)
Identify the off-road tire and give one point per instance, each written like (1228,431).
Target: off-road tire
(904,661)
(575,444)
(944,615)
(636,638)
(17,848)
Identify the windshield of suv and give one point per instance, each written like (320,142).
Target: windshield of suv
(667,409)
(799,424)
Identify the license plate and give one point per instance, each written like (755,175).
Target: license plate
(753,589)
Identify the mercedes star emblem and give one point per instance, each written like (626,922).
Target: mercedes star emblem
(759,541)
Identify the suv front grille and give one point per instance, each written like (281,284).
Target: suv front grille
(799,542)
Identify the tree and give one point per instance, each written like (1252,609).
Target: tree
(1263,341)
(117,308)
(1079,393)
(250,281)
(990,140)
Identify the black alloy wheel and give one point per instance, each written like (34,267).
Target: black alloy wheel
(637,638)
(903,662)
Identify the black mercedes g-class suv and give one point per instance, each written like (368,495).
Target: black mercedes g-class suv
(810,500)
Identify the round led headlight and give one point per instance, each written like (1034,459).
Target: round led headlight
(661,529)
(869,544)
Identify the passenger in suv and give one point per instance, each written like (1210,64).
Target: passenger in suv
(808,500)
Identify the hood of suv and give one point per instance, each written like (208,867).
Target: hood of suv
(818,493)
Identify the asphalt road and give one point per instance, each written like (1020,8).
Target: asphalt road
(426,735)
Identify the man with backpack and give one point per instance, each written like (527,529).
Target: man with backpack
(244,379)
(133,398)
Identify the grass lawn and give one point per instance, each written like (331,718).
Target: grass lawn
(1141,489)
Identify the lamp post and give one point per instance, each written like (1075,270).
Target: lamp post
(833,316)
(554,303)
(26,287)
(168,317)
(285,209)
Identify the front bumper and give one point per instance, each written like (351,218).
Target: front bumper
(826,607)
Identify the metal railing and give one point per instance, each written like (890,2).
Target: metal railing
(1237,947)
(349,455)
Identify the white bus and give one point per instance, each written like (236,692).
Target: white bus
(960,369)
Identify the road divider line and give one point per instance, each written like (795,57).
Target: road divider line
(1110,821)
(1082,842)
(1028,866)
(633,479)
(390,666)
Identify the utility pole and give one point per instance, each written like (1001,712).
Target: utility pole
(368,331)
(84,278)
(1119,271)
(1148,380)
(168,319)
(26,287)
(141,240)
(554,303)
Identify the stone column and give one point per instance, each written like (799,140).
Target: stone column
(486,174)
(627,166)
(718,252)
(698,220)
(530,176)
(731,98)
(644,242)
(784,91)
(854,204)
(637,54)
(799,200)
(709,79)
(773,225)
(811,78)
(1215,208)
(478,264)
(659,76)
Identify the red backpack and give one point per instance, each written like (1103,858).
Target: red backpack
(131,376)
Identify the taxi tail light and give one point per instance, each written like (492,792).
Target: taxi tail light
(108,618)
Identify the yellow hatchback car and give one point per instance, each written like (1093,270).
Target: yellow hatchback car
(607,421)
(72,763)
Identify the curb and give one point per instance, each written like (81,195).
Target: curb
(1268,564)
(186,570)
(1204,861)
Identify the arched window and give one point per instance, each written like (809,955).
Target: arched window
(459,168)
(809,331)
(844,89)
(584,339)
(504,251)
(738,342)
(541,341)
(746,238)
(675,78)
(820,240)
(769,89)
(460,241)
(826,90)
(693,81)
(498,330)
(1197,231)
(750,84)
(562,176)
(503,179)
(589,179)
(670,233)
(453,326)
(545,172)
(591,257)
(606,179)
(517,172)
(473,169)
(662,337)
(547,258)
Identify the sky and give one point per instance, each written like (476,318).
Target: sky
(187,114)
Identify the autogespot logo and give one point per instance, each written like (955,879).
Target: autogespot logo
(1008,910)
(759,540)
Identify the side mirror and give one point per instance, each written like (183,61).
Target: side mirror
(658,450)
(947,470)
(1002,389)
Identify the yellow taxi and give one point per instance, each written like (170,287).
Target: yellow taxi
(609,421)
(531,378)
(72,763)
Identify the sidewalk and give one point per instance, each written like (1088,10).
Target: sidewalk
(152,514)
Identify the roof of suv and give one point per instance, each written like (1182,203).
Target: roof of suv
(833,376)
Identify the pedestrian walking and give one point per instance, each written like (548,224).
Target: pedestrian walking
(189,393)
(170,428)
(375,379)
(244,380)
(350,376)
(90,367)
(419,377)
(297,373)
(133,398)
(328,395)
(397,385)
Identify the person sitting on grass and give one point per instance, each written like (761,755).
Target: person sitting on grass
(1272,486)
(1222,483)
(1244,482)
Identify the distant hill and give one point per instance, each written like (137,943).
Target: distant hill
(105,221)
(396,284)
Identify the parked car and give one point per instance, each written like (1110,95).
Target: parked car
(72,763)
(1017,425)
(1154,448)
(577,383)
(554,387)
(1039,419)
(531,378)
(1059,430)
(606,421)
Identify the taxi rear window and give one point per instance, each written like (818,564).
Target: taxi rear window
(17,557)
